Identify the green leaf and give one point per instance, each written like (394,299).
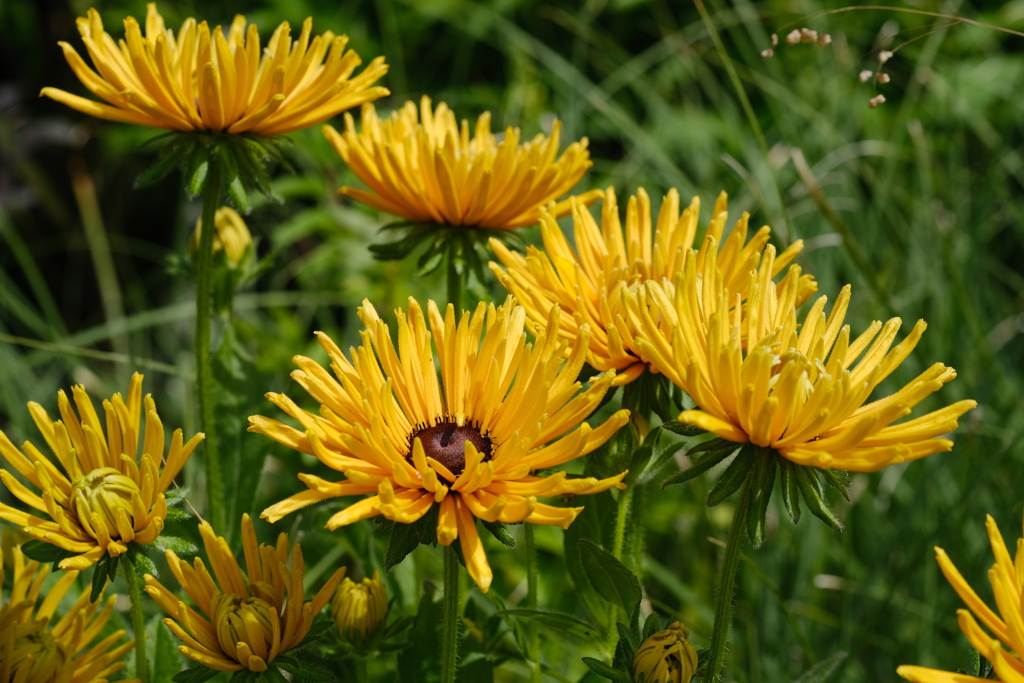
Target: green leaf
(641,456)
(176,496)
(198,169)
(302,669)
(403,540)
(733,477)
(610,578)
(837,479)
(430,261)
(557,621)
(104,569)
(682,428)
(197,674)
(823,670)
(589,524)
(702,465)
(651,626)
(500,531)
(628,639)
(811,492)
(179,546)
(45,553)
(764,473)
(170,158)
(177,515)
(790,488)
(163,652)
(602,669)
(138,557)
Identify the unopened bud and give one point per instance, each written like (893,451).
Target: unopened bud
(767,52)
(666,657)
(876,100)
(232,236)
(793,37)
(865,75)
(808,36)
(245,626)
(775,40)
(359,606)
(106,501)
(824,39)
(884,56)
(882,78)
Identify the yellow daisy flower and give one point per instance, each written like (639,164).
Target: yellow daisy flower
(758,377)
(425,168)
(34,651)
(588,281)
(206,80)
(1007,578)
(247,620)
(467,442)
(102,496)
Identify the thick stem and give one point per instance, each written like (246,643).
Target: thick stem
(726,582)
(533,634)
(204,360)
(138,620)
(622,514)
(450,616)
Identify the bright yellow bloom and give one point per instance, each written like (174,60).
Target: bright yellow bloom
(427,169)
(247,620)
(1007,579)
(33,651)
(360,606)
(467,441)
(204,80)
(588,282)
(666,657)
(232,237)
(102,496)
(759,377)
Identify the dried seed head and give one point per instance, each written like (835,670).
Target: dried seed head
(767,52)
(775,40)
(882,77)
(793,37)
(824,39)
(808,36)
(876,100)
(865,75)
(884,56)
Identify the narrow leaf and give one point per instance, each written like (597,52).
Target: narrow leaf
(609,577)
(812,495)
(602,669)
(790,488)
(764,473)
(557,621)
(44,552)
(823,670)
(500,531)
(702,465)
(197,674)
(733,477)
(682,428)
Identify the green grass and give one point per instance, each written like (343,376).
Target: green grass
(916,203)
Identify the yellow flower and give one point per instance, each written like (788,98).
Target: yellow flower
(758,377)
(233,236)
(666,657)
(467,441)
(33,651)
(427,169)
(360,606)
(1007,579)
(247,620)
(204,80)
(102,496)
(588,282)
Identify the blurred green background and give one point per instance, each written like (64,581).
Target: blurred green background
(916,203)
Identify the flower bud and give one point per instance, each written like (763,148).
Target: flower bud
(865,75)
(359,606)
(882,77)
(884,56)
(245,626)
(876,100)
(666,657)
(793,37)
(232,237)
(808,36)
(105,501)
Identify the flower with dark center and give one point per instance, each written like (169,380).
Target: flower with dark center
(446,443)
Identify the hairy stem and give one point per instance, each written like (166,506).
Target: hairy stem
(726,582)
(533,634)
(450,616)
(138,619)
(204,361)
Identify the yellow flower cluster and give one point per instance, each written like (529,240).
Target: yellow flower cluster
(202,79)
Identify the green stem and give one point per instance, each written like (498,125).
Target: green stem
(533,635)
(726,582)
(138,620)
(450,616)
(362,669)
(204,360)
(622,514)
(454,283)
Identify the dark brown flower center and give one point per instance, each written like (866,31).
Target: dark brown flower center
(445,442)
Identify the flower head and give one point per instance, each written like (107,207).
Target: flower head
(360,606)
(1007,579)
(202,79)
(589,282)
(466,442)
(425,167)
(34,650)
(102,496)
(249,619)
(758,377)
(232,236)
(666,657)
